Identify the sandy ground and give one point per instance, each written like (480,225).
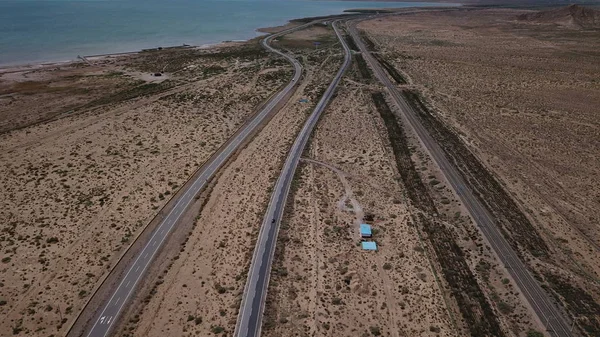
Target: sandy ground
(79,188)
(201,292)
(524,97)
(323,283)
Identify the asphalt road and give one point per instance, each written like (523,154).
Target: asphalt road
(539,300)
(255,292)
(134,273)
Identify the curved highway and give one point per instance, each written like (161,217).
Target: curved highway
(104,322)
(255,291)
(548,313)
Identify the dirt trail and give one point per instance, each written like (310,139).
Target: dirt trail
(347,202)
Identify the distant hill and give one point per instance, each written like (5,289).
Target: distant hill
(512,3)
(573,16)
(527,3)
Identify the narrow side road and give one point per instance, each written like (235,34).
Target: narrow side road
(134,273)
(255,292)
(539,300)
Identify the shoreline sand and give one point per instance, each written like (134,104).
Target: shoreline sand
(11,67)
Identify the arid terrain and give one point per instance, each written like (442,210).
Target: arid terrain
(324,284)
(522,95)
(200,292)
(91,153)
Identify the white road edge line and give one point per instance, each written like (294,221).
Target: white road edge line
(228,149)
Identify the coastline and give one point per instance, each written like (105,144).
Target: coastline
(12,66)
(262,31)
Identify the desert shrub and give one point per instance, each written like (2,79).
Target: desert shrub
(375,331)
(533,333)
(52,240)
(220,288)
(505,308)
(217,329)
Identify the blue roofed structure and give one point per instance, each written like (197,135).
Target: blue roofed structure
(369,245)
(365,231)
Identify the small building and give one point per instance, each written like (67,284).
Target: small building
(365,231)
(369,245)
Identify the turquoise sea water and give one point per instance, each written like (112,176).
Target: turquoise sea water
(56,30)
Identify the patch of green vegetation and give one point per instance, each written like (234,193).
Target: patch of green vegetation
(220,289)
(217,329)
(390,69)
(113,74)
(533,333)
(472,303)
(363,68)
(375,330)
(350,42)
(514,224)
(578,302)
